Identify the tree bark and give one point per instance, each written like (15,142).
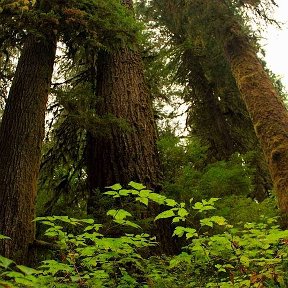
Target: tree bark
(206,116)
(21,135)
(128,153)
(267,111)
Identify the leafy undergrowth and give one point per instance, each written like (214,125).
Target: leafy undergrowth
(253,256)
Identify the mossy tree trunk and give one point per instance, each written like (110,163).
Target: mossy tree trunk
(268,113)
(218,115)
(125,152)
(266,109)
(21,135)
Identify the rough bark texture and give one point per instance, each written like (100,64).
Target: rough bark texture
(121,155)
(215,120)
(124,154)
(21,135)
(268,113)
(128,153)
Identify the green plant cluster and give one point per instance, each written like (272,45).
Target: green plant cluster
(254,255)
(189,171)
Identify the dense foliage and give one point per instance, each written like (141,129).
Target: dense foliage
(206,215)
(254,255)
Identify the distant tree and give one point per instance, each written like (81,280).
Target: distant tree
(220,22)
(216,114)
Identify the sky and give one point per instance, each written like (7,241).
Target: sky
(275,43)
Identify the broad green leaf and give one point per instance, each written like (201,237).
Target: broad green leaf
(171,202)
(160,199)
(179,231)
(134,192)
(190,235)
(143,200)
(211,201)
(52,267)
(115,187)
(118,214)
(177,219)
(88,221)
(144,193)
(124,192)
(48,223)
(87,251)
(219,220)
(165,214)
(206,222)
(14,274)
(75,278)
(111,193)
(182,212)
(132,224)
(122,214)
(51,233)
(40,219)
(5,262)
(112,212)
(182,204)
(88,228)
(198,206)
(27,270)
(220,268)
(137,186)
(208,207)
(4,237)
(191,232)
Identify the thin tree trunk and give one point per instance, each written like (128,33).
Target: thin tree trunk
(21,135)
(206,115)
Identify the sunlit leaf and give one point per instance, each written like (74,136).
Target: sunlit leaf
(165,214)
(137,186)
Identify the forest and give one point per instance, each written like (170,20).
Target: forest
(142,144)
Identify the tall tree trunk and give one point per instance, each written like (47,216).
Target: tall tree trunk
(124,153)
(207,119)
(267,111)
(21,135)
(128,153)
